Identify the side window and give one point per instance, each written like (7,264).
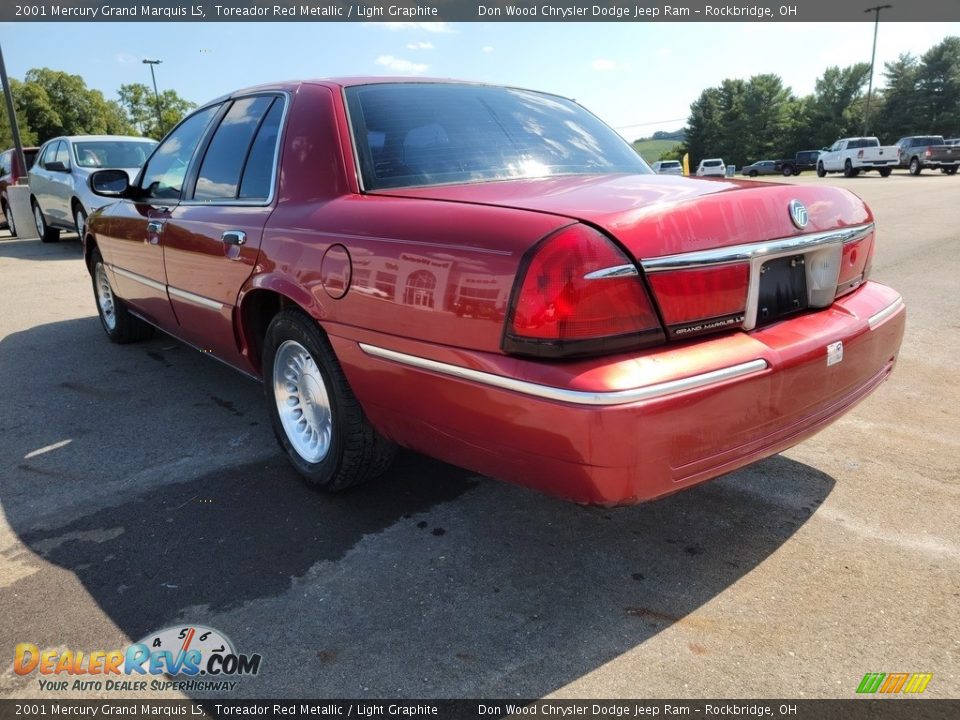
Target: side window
(5,163)
(49,154)
(258,172)
(63,154)
(219,177)
(163,177)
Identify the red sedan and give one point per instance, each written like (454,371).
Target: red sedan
(493,277)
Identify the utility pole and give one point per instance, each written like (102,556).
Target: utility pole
(151,63)
(873,57)
(12,116)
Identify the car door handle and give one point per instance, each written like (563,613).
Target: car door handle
(234,237)
(155,227)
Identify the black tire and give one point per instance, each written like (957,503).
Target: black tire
(796,171)
(47,234)
(753,173)
(119,325)
(885,172)
(79,219)
(8,217)
(788,171)
(820,171)
(915,167)
(848,170)
(950,170)
(355,451)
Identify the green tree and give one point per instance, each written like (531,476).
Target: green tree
(27,135)
(140,105)
(938,86)
(896,113)
(836,110)
(58,103)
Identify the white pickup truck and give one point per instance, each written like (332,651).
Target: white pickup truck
(853,155)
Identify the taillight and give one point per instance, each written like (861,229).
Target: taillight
(927,153)
(578,294)
(855,263)
(859,154)
(701,299)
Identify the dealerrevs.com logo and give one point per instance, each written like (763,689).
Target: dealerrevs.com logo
(196,657)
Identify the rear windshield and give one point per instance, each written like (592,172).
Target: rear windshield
(670,164)
(413,134)
(712,163)
(112,153)
(863,143)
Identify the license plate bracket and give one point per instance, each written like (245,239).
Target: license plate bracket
(783,289)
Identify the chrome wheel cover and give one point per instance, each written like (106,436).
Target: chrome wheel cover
(38,220)
(303,402)
(108,308)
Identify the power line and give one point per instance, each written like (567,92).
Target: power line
(656,122)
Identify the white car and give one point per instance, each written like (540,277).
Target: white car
(668,167)
(59,194)
(711,167)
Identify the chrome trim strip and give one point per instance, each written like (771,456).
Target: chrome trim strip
(139,278)
(195,299)
(575,397)
(881,317)
(612,272)
(750,251)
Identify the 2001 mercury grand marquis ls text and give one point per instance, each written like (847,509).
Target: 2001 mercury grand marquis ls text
(493,277)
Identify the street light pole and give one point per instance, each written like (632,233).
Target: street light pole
(156,94)
(873,57)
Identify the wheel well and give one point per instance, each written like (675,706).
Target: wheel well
(258,309)
(89,246)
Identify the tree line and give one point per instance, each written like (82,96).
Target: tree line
(743,121)
(52,102)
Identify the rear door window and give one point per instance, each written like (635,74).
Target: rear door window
(222,166)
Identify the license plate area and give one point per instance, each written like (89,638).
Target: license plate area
(783,289)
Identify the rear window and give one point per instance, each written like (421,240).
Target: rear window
(670,164)
(414,134)
(712,163)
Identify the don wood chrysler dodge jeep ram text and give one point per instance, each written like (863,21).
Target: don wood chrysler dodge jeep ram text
(493,277)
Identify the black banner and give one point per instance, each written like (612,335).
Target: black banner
(853,709)
(468,10)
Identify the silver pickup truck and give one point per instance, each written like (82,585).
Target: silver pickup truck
(928,151)
(851,156)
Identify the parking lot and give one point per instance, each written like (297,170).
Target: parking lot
(141,487)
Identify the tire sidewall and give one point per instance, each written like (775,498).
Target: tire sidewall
(297,327)
(112,333)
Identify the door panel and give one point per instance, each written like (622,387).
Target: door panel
(205,273)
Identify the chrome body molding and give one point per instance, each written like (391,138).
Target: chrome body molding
(195,299)
(139,278)
(889,311)
(574,397)
(612,272)
(766,250)
(177,292)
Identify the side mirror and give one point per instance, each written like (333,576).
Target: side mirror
(110,183)
(55,166)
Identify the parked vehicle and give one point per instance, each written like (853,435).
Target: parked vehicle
(803,160)
(953,142)
(638,334)
(59,192)
(711,167)
(761,167)
(10,174)
(851,156)
(927,151)
(668,167)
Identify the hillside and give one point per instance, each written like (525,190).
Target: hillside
(650,150)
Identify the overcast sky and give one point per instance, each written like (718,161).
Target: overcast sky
(638,77)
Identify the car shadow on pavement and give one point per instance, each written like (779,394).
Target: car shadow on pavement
(431,582)
(69,248)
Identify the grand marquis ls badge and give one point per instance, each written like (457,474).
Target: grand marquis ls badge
(798,213)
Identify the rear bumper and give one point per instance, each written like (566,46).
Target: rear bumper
(632,427)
